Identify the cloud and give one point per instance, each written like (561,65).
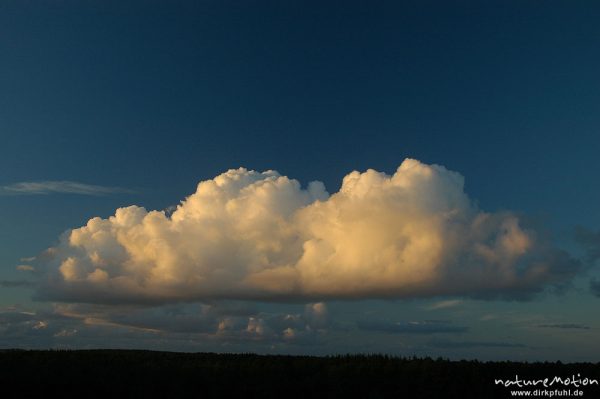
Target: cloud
(222,322)
(196,319)
(59,187)
(25,329)
(411,327)
(261,236)
(445,304)
(25,268)
(568,326)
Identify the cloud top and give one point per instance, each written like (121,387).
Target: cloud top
(251,235)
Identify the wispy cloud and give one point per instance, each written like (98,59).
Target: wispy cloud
(568,326)
(474,344)
(60,187)
(445,304)
(411,327)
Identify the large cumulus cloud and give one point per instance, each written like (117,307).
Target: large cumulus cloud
(251,235)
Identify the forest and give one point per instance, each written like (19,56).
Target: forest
(139,373)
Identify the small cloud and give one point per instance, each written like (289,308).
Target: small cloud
(40,325)
(29,259)
(60,187)
(66,333)
(25,268)
(289,333)
(445,304)
(568,326)
(316,315)
(411,327)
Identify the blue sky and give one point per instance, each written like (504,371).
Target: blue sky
(140,101)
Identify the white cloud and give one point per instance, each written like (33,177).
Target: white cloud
(317,315)
(40,325)
(251,235)
(55,187)
(66,333)
(445,304)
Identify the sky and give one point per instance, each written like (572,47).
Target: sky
(412,178)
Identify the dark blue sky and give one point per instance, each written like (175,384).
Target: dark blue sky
(155,93)
(158,95)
